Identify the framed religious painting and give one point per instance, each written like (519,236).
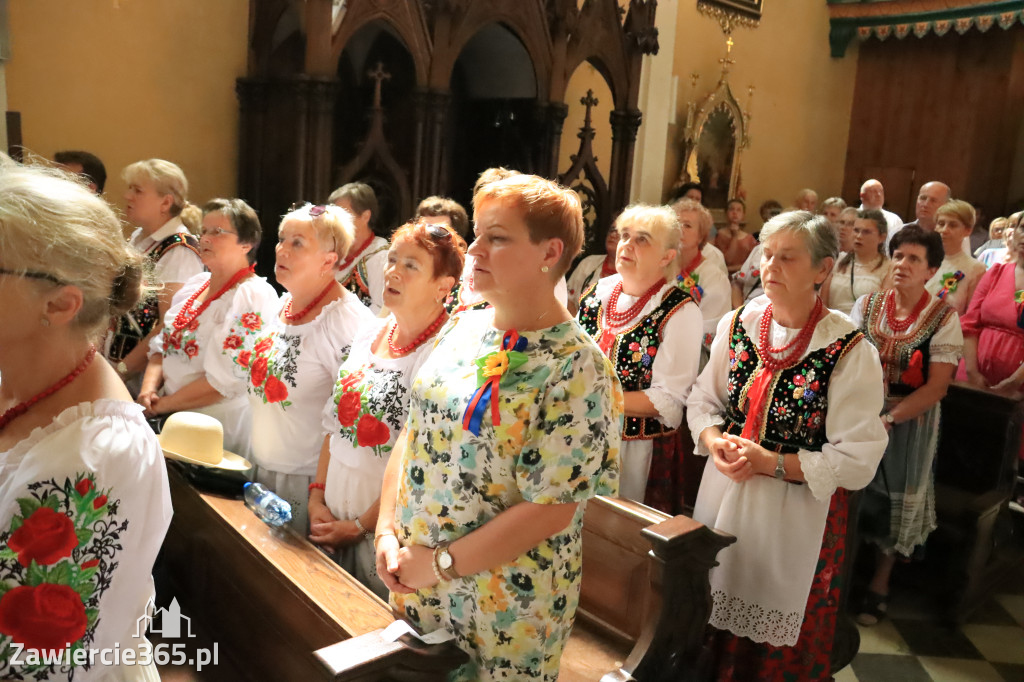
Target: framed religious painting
(749,10)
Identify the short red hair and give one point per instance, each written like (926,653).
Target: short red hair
(447,255)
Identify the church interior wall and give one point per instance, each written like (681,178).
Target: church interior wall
(132,79)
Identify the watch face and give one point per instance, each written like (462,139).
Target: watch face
(444,559)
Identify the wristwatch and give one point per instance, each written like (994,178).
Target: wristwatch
(780,467)
(445,561)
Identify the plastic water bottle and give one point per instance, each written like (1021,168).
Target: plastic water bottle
(267,505)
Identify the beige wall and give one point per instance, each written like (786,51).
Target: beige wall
(802,100)
(132,79)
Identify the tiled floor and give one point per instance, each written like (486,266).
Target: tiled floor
(911,646)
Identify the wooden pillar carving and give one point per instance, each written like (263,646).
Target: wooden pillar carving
(252,105)
(435,181)
(554,114)
(624,127)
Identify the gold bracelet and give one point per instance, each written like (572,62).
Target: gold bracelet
(378,536)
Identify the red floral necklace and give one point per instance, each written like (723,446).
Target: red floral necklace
(757,394)
(305,311)
(614,318)
(187,315)
(356,254)
(419,340)
(900,326)
(21,408)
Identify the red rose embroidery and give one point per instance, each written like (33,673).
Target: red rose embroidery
(252,321)
(91,563)
(744,355)
(634,345)
(192,348)
(46,536)
(99,502)
(194,325)
(349,382)
(43,617)
(263,346)
(651,350)
(232,342)
(371,432)
(275,390)
(83,487)
(348,408)
(799,380)
(259,371)
(244,357)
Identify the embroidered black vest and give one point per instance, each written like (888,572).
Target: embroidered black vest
(357,280)
(633,351)
(137,324)
(797,397)
(905,357)
(453,303)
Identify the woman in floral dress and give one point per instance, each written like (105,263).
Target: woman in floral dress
(919,340)
(289,360)
(188,368)
(370,399)
(514,423)
(958,275)
(84,502)
(787,408)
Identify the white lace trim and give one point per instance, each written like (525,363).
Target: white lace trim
(818,473)
(670,410)
(98,408)
(697,424)
(751,620)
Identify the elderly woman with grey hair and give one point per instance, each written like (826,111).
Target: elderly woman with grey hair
(190,362)
(651,330)
(787,409)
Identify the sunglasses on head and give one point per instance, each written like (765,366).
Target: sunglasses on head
(315,210)
(438,232)
(32,275)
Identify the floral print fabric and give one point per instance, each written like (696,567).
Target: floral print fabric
(557,442)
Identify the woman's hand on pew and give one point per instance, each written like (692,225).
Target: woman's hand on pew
(388,549)
(334,533)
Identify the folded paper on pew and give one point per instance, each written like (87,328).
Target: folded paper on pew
(375,645)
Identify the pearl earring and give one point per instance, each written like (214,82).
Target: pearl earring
(45,321)
(544,268)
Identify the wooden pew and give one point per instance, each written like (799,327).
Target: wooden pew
(272,599)
(975,472)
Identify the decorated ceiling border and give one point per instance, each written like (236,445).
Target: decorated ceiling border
(865,19)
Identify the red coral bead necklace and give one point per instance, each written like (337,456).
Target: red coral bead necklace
(614,318)
(900,326)
(355,254)
(21,408)
(187,315)
(420,340)
(305,311)
(798,344)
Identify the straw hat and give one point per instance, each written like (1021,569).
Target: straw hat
(198,439)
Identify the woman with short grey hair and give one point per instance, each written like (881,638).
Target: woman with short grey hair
(787,408)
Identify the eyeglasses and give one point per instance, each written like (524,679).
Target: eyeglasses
(438,232)
(315,211)
(33,275)
(215,232)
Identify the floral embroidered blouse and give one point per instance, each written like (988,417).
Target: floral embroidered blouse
(557,441)
(289,371)
(84,507)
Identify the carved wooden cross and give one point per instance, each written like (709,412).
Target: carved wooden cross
(379,75)
(589,102)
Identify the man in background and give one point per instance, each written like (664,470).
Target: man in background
(85,164)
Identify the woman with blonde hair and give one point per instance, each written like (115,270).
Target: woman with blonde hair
(959,274)
(863,270)
(290,361)
(84,502)
(156,202)
(651,330)
(513,425)
(190,363)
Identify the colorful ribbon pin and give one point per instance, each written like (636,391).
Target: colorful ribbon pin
(491,368)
